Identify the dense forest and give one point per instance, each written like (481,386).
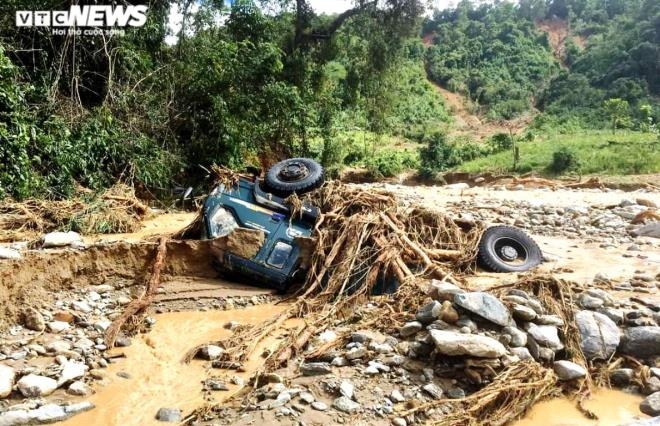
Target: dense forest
(258,81)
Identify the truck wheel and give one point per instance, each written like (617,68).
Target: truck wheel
(297,175)
(508,249)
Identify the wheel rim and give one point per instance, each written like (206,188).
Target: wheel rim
(510,251)
(293,171)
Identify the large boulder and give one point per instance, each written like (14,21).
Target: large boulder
(546,336)
(453,343)
(33,385)
(641,342)
(485,305)
(60,239)
(567,370)
(599,335)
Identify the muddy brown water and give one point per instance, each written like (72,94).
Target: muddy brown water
(158,378)
(613,408)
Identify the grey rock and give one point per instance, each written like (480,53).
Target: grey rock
(170,415)
(410,328)
(652,385)
(307,397)
(550,320)
(518,337)
(441,290)
(453,343)
(356,353)
(649,230)
(33,385)
(33,320)
(456,393)
(78,388)
(521,353)
(615,315)
(211,352)
(433,390)
(78,407)
(599,335)
(319,406)
(71,370)
(346,405)
(396,396)
(651,405)
(60,239)
(485,305)
(399,421)
(524,313)
(641,342)
(58,326)
(546,336)
(346,389)
(429,312)
(9,253)
(7,378)
(567,370)
(49,413)
(315,368)
(622,376)
(589,302)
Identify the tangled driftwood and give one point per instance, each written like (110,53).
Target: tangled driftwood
(115,210)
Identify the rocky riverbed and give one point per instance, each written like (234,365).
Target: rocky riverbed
(54,363)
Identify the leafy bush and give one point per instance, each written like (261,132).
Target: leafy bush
(391,163)
(500,142)
(563,160)
(436,156)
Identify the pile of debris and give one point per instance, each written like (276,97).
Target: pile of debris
(460,357)
(115,210)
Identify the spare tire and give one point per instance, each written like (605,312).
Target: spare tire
(297,175)
(508,249)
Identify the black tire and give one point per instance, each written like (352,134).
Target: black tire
(508,249)
(297,175)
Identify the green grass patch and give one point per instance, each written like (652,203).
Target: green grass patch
(595,152)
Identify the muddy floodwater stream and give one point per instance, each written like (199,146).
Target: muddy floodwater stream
(157,377)
(613,408)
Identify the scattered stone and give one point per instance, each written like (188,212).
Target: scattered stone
(622,376)
(346,389)
(485,305)
(641,342)
(33,320)
(441,291)
(399,421)
(599,335)
(58,326)
(356,353)
(396,396)
(346,405)
(78,388)
(434,390)
(522,353)
(567,370)
(651,405)
(319,406)
(9,253)
(524,313)
(429,312)
(170,415)
(72,370)
(216,385)
(33,385)
(7,378)
(315,368)
(60,239)
(453,344)
(211,352)
(589,302)
(307,397)
(518,337)
(448,314)
(410,328)
(547,336)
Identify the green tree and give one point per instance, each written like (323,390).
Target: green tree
(618,111)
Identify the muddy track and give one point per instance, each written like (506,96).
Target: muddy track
(34,278)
